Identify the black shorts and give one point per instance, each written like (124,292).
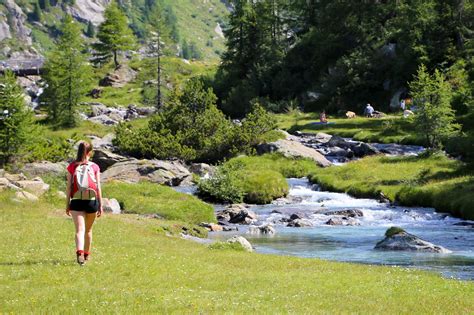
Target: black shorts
(89,206)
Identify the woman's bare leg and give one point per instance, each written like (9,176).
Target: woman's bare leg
(90,217)
(79,222)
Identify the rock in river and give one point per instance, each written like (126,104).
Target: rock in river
(399,239)
(238,214)
(262,229)
(351,213)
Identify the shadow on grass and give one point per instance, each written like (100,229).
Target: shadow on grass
(53,262)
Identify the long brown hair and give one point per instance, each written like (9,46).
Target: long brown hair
(84,149)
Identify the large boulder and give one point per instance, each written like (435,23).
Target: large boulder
(122,75)
(44,168)
(202,169)
(105,159)
(238,214)
(363,149)
(300,223)
(102,143)
(35,186)
(104,120)
(340,142)
(171,173)
(398,239)
(293,149)
(242,241)
(88,10)
(24,195)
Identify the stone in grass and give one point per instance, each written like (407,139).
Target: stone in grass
(242,241)
(212,227)
(24,195)
(111,206)
(398,239)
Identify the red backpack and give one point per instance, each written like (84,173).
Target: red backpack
(84,182)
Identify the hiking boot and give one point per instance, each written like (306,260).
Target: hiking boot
(80,257)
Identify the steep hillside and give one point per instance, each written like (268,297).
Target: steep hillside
(28,25)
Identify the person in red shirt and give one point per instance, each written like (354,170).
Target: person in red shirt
(83,209)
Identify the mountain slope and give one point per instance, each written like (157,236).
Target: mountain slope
(197,23)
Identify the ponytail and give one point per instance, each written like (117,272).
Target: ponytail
(82,151)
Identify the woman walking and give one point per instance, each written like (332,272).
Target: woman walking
(84,199)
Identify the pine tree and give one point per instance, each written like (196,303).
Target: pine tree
(16,120)
(67,74)
(37,14)
(90,32)
(114,34)
(434,117)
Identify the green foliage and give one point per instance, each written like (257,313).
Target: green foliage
(113,34)
(254,179)
(37,14)
(16,120)
(150,198)
(44,4)
(222,186)
(435,117)
(393,231)
(191,127)
(90,31)
(67,74)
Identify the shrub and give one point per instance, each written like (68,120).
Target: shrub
(263,186)
(222,187)
(227,246)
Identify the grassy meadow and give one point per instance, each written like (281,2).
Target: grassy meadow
(135,268)
(389,129)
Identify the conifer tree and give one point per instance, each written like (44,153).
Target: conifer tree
(90,32)
(67,74)
(114,34)
(434,115)
(16,119)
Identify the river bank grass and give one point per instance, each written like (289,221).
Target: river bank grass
(135,268)
(390,129)
(429,181)
(150,198)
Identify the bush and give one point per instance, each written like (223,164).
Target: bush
(393,231)
(221,187)
(227,246)
(263,186)
(191,127)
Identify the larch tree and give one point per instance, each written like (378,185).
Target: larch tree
(114,35)
(67,74)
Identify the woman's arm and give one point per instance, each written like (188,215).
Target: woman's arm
(99,191)
(68,193)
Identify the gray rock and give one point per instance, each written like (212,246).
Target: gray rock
(340,142)
(104,120)
(24,195)
(293,149)
(122,75)
(36,187)
(363,149)
(17,23)
(105,159)
(242,241)
(262,229)
(170,173)
(98,109)
(45,168)
(237,214)
(351,213)
(102,143)
(88,10)
(296,216)
(300,223)
(202,169)
(403,241)
(322,137)
(145,111)
(111,206)
(334,221)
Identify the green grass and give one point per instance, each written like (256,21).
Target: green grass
(430,181)
(262,186)
(275,162)
(390,129)
(135,268)
(149,198)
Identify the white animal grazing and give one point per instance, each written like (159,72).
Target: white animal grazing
(351,115)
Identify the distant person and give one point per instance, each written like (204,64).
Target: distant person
(402,104)
(369,111)
(84,199)
(322,117)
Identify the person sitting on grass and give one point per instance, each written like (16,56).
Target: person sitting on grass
(322,117)
(84,199)
(369,111)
